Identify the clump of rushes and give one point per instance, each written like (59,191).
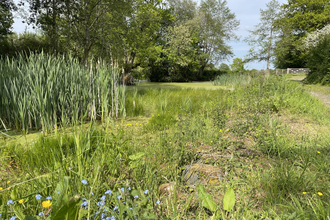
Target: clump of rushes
(41,92)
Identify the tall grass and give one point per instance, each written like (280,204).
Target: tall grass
(42,92)
(232,79)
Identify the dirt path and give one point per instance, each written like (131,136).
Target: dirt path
(323,96)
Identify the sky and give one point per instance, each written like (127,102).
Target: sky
(247,12)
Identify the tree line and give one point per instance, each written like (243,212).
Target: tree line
(163,40)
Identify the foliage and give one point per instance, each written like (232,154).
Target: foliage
(25,43)
(319,62)
(315,37)
(217,26)
(262,38)
(224,68)
(298,18)
(231,79)
(6,17)
(237,66)
(109,163)
(229,200)
(206,199)
(41,92)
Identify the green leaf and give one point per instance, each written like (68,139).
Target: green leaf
(32,218)
(60,196)
(206,198)
(69,211)
(136,156)
(14,194)
(229,200)
(19,213)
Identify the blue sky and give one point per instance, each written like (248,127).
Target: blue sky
(247,11)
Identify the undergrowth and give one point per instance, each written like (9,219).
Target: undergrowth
(275,174)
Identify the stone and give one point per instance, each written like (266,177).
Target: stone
(166,189)
(202,174)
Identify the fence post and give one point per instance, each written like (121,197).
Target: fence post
(287,71)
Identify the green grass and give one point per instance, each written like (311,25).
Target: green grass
(232,79)
(196,85)
(275,171)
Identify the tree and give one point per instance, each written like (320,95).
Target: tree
(237,66)
(217,27)
(297,19)
(262,38)
(6,17)
(224,68)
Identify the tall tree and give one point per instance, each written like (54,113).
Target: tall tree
(298,18)
(6,17)
(262,38)
(217,27)
(237,66)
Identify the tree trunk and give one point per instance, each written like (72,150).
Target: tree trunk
(269,47)
(201,69)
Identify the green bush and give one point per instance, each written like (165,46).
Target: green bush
(319,63)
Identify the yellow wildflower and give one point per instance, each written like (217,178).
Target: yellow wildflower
(8,182)
(318,152)
(21,201)
(320,194)
(211,142)
(46,204)
(304,193)
(220,130)
(8,188)
(1,188)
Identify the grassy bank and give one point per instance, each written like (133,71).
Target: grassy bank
(267,139)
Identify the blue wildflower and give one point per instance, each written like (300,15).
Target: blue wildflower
(129,188)
(84,182)
(102,216)
(118,197)
(38,196)
(41,214)
(158,202)
(10,202)
(103,198)
(84,205)
(122,189)
(91,194)
(13,218)
(108,192)
(49,198)
(115,208)
(130,208)
(102,203)
(135,197)
(146,191)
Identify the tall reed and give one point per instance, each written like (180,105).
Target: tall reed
(42,92)
(232,79)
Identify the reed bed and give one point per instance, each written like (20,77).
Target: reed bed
(43,92)
(232,79)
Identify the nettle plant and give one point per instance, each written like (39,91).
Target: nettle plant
(123,203)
